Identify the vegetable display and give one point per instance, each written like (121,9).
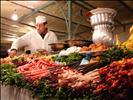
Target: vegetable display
(114,54)
(37,69)
(117,80)
(69,59)
(46,78)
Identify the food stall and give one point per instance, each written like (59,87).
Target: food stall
(106,74)
(97,69)
(65,79)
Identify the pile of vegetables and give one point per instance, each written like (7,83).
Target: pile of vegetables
(37,69)
(46,87)
(68,59)
(117,80)
(19,61)
(114,54)
(9,74)
(65,82)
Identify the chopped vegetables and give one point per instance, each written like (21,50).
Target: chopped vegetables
(117,79)
(37,69)
(69,59)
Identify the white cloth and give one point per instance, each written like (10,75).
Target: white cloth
(33,41)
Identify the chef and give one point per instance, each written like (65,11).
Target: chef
(34,40)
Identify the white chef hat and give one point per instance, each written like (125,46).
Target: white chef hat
(40,19)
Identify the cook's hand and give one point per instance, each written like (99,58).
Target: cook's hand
(45,52)
(12,53)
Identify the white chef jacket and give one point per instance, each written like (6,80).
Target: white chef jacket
(33,41)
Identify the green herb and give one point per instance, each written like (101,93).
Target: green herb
(114,54)
(70,58)
(9,76)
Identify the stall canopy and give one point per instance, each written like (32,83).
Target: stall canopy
(57,15)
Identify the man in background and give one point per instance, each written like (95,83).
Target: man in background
(35,40)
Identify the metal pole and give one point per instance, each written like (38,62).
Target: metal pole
(64,15)
(76,28)
(40,11)
(70,34)
(36,10)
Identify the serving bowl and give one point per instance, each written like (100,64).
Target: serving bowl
(58,46)
(79,43)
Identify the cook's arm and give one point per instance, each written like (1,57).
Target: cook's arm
(20,42)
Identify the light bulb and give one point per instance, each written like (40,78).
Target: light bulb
(14,17)
(32,1)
